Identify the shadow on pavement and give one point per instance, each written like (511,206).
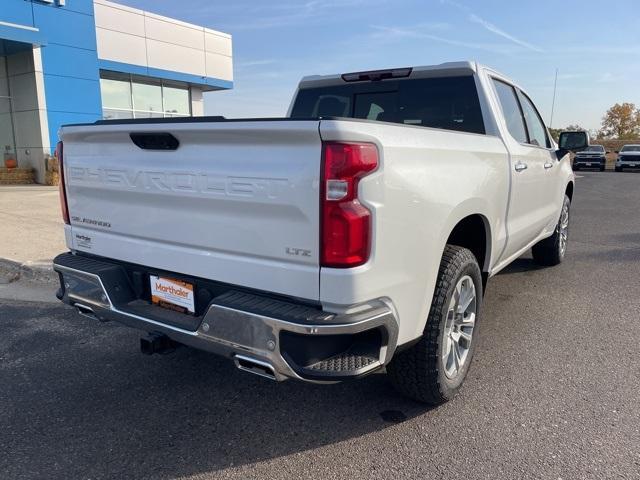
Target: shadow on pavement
(78,400)
(521,265)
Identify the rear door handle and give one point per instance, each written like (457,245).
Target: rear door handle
(521,166)
(548,165)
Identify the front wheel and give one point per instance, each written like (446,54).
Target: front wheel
(551,251)
(432,370)
(602,168)
(618,169)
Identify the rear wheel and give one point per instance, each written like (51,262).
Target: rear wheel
(432,370)
(551,251)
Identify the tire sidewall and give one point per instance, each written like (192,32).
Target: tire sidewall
(566,203)
(449,387)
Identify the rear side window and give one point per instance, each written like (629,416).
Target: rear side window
(449,103)
(535,125)
(511,110)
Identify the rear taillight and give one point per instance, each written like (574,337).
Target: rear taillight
(345,223)
(61,186)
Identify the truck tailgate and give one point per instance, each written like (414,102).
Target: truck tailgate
(237,202)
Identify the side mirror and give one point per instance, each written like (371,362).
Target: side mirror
(572,142)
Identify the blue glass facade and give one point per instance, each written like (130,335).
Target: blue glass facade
(69,55)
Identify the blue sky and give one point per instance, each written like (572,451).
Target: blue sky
(594,44)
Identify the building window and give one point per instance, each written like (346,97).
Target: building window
(176,101)
(131,96)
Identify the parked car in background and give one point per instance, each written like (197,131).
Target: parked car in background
(594,156)
(356,234)
(628,157)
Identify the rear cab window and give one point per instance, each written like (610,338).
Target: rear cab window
(449,103)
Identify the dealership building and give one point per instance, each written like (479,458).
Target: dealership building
(70,61)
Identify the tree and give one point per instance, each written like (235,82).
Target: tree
(555,133)
(622,121)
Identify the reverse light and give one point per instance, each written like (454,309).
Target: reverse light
(61,186)
(345,223)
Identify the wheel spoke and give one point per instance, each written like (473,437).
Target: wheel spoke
(464,305)
(466,336)
(456,295)
(446,347)
(448,358)
(456,354)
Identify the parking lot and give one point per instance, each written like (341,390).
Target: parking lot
(554,392)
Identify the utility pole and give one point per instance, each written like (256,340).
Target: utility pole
(553,103)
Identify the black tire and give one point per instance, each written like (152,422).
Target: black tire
(602,168)
(618,169)
(419,371)
(550,252)
(576,168)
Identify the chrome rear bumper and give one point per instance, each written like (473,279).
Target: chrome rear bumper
(270,337)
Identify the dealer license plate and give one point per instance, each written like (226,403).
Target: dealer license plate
(588,164)
(172,294)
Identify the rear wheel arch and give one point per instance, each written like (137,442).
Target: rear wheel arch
(569,191)
(474,233)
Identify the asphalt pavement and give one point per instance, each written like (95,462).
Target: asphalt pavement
(554,391)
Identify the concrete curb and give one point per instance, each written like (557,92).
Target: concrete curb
(33,271)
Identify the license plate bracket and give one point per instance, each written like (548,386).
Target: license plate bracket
(172,294)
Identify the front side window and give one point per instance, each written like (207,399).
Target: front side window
(511,111)
(535,126)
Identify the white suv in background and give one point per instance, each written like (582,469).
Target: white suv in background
(628,157)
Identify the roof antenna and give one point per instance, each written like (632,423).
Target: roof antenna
(553,103)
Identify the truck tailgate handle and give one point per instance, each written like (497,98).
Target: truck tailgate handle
(155,140)
(521,166)
(548,165)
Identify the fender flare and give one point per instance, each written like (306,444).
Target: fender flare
(472,206)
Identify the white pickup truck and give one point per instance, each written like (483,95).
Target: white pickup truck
(354,236)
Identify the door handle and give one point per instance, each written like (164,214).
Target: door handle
(521,166)
(548,165)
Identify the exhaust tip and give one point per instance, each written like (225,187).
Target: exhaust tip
(257,367)
(85,311)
